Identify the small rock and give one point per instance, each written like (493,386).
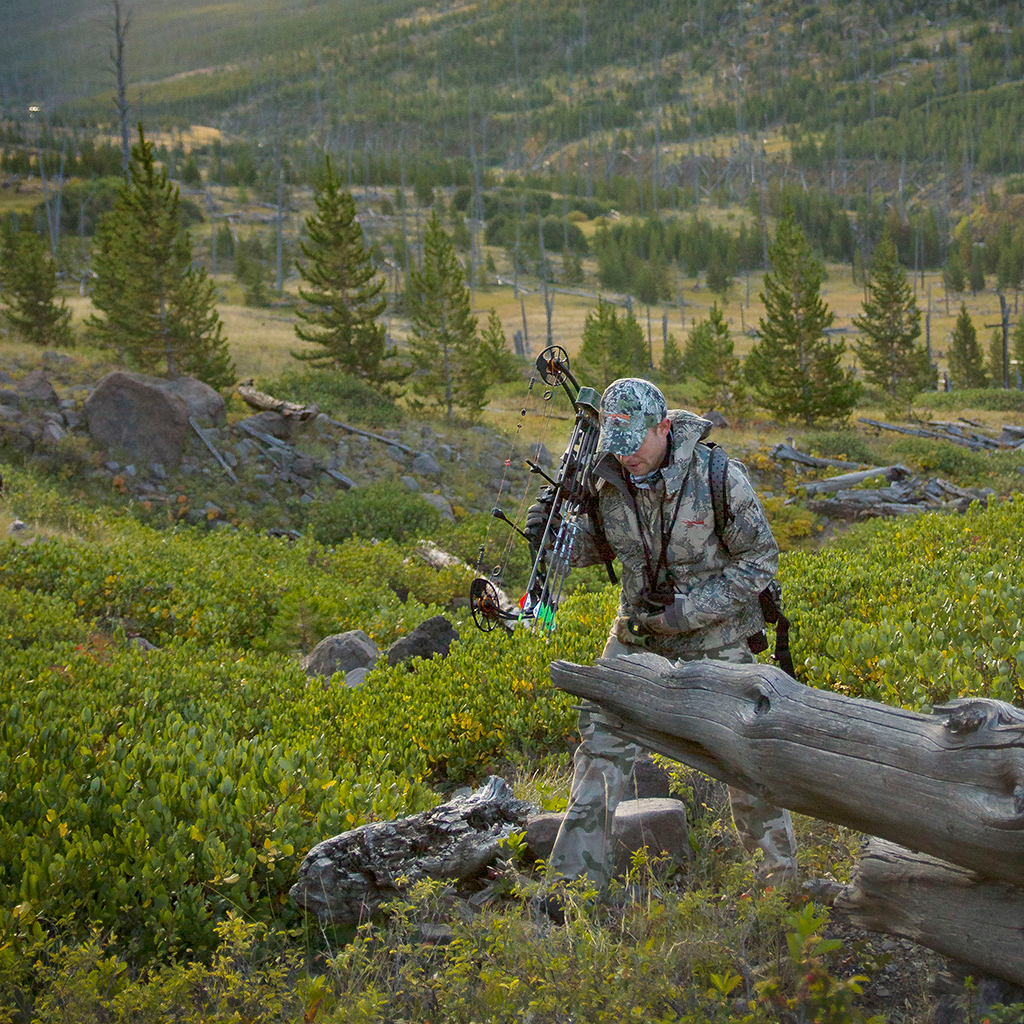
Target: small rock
(129,470)
(429,638)
(157,471)
(341,652)
(538,453)
(355,677)
(716,419)
(442,505)
(52,433)
(17,526)
(396,453)
(36,388)
(410,482)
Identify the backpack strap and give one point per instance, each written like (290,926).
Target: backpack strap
(718,480)
(771,597)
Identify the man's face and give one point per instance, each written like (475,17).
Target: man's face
(649,456)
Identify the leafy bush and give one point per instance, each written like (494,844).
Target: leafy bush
(992,399)
(339,395)
(386,510)
(916,612)
(839,444)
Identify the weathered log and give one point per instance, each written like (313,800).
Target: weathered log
(791,454)
(950,784)
(267,403)
(839,508)
(345,878)
(846,480)
(947,908)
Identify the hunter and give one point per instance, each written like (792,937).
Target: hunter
(687,594)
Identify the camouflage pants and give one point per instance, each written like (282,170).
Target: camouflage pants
(602,766)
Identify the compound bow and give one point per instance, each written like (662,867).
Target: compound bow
(571,486)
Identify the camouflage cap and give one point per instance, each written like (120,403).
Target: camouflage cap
(630,406)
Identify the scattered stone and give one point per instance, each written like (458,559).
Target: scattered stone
(410,482)
(341,652)
(129,470)
(716,419)
(355,677)
(7,412)
(16,526)
(442,505)
(53,433)
(140,643)
(426,465)
(539,453)
(429,638)
(36,388)
(396,453)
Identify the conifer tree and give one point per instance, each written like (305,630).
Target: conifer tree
(497,363)
(613,346)
(710,360)
(159,312)
(443,341)
(966,363)
(345,295)
(33,308)
(891,322)
(793,368)
(672,369)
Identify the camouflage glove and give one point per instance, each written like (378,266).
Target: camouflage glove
(537,517)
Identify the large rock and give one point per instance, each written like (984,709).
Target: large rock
(341,652)
(657,824)
(429,638)
(205,405)
(137,415)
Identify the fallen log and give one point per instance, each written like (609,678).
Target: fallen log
(947,908)
(791,454)
(950,784)
(344,879)
(846,480)
(257,399)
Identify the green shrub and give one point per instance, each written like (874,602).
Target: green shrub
(339,395)
(386,510)
(991,399)
(838,444)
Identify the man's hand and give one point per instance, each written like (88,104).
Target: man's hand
(639,625)
(537,516)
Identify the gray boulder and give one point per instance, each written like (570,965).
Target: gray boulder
(429,638)
(272,423)
(342,652)
(658,824)
(137,415)
(716,419)
(426,465)
(205,405)
(36,388)
(441,503)
(538,453)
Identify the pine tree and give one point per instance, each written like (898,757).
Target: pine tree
(672,369)
(710,360)
(891,322)
(497,364)
(966,364)
(160,313)
(613,347)
(32,306)
(793,368)
(443,341)
(345,294)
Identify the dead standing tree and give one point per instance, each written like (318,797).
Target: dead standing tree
(950,784)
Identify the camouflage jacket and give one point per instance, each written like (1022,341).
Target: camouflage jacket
(716,583)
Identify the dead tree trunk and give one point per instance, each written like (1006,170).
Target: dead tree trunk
(947,908)
(950,784)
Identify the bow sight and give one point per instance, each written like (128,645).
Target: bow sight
(570,489)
